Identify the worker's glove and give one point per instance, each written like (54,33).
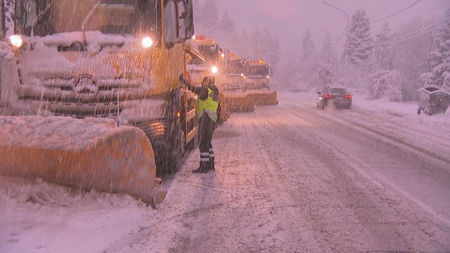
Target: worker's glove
(182,81)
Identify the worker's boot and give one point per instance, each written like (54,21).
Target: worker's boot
(211,164)
(204,168)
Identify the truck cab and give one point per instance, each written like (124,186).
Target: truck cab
(234,75)
(211,61)
(258,75)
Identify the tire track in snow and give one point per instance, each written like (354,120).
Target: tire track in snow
(348,121)
(375,177)
(348,194)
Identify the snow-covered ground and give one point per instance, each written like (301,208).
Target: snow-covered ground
(39,217)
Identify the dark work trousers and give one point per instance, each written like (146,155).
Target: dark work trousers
(205,133)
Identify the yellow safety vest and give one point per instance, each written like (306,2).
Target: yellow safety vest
(208,105)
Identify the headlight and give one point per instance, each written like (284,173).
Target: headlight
(242,75)
(147,42)
(16,41)
(268,77)
(214,69)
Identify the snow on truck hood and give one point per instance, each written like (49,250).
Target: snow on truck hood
(93,39)
(104,57)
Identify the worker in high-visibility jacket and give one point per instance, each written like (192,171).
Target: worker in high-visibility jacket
(208,113)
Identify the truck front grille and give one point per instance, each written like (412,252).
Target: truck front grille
(108,97)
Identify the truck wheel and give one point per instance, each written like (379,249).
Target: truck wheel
(193,144)
(169,153)
(428,111)
(419,110)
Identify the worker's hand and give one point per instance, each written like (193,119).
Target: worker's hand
(182,81)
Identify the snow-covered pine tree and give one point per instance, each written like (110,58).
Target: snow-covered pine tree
(227,35)
(255,44)
(384,81)
(308,61)
(385,84)
(439,58)
(307,45)
(410,46)
(270,49)
(328,56)
(382,49)
(359,42)
(242,43)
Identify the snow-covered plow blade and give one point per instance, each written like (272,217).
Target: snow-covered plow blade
(263,97)
(239,102)
(84,154)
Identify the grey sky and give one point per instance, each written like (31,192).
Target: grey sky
(289,19)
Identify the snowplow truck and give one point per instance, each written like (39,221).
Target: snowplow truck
(115,66)
(217,61)
(207,59)
(257,83)
(233,84)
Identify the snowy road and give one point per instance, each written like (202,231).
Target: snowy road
(291,178)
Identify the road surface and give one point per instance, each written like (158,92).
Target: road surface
(292,178)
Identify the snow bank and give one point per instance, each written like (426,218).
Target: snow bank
(39,217)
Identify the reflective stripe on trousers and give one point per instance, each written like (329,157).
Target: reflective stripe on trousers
(205,132)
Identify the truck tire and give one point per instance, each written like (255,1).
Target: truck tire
(171,151)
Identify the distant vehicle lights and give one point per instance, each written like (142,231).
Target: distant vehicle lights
(214,69)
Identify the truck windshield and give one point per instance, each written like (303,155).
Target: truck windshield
(44,17)
(235,68)
(260,70)
(211,53)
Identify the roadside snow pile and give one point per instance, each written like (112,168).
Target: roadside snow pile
(383,85)
(37,216)
(396,108)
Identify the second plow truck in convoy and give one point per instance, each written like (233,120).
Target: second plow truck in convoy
(207,59)
(90,93)
(216,62)
(233,84)
(257,83)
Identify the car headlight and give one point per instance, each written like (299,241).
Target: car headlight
(147,42)
(214,69)
(16,41)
